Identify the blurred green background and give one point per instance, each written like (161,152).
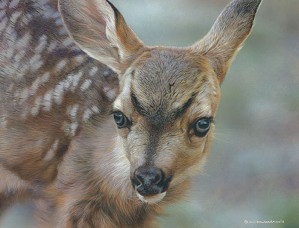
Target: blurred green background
(252,173)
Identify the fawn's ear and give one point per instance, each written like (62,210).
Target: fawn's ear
(100,30)
(225,38)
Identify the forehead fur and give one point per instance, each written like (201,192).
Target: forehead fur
(166,80)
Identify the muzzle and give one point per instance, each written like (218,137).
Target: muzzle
(150,181)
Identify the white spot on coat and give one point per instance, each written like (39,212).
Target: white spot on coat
(35,62)
(58,93)
(93,71)
(86,115)
(86,85)
(95,109)
(23,41)
(52,46)
(80,59)
(73,110)
(36,106)
(67,82)
(76,79)
(23,96)
(67,42)
(45,77)
(8,53)
(3,121)
(38,82)
(14,17)
(73,128)
(47,101)
(42,43)
(62,31)
(19,56)
(110,93)
(51,152)
(61,64)
(58,22)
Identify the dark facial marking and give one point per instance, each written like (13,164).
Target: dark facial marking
(159,117)
(153,142)
(158,123)
(138,106)
(179,111)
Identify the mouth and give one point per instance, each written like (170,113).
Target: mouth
(153,199)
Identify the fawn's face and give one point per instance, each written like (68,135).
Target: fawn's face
(169,96)
(165,117)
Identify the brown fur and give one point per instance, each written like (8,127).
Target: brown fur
(163,91)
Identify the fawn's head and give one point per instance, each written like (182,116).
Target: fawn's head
(169,96)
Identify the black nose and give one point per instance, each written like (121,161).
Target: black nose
(150,181)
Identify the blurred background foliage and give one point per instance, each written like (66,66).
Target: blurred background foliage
(252,172)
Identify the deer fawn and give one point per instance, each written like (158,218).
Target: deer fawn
(123,165)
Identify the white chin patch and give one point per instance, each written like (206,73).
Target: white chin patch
(151,199)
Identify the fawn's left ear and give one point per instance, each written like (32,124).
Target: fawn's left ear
(100,30)
(228,33)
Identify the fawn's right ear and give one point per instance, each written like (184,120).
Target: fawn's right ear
(100,30)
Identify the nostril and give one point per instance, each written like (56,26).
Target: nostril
(139,178)
(158,177)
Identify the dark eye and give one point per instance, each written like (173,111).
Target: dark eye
(202,126)
(121,120)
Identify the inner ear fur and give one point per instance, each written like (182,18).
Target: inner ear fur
(100,30)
